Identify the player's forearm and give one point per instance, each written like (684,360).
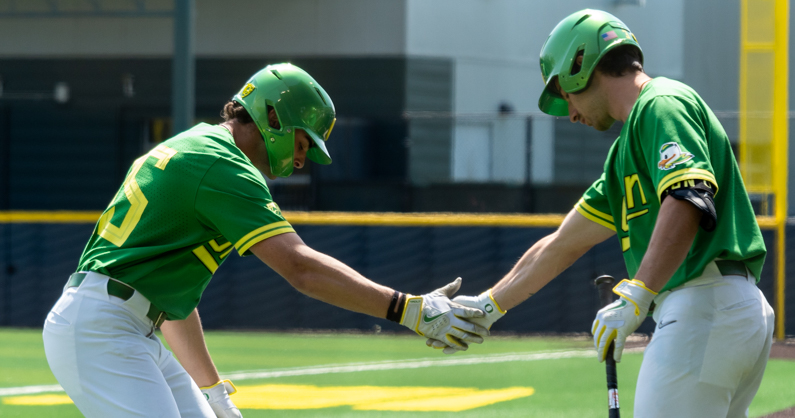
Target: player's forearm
(674,232)
(547,258)
(329,280)
(538,266)
(186,340)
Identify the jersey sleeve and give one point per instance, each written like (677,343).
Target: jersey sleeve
(674,143)
(594,205)
(234,201)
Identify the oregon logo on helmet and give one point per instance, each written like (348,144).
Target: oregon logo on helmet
(299,102)
(247,89)
(590,33)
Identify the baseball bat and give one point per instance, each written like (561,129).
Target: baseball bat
(605,286)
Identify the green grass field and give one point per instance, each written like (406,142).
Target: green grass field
(348,375)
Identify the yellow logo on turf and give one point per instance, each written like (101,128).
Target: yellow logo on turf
(247,89)
(273,207)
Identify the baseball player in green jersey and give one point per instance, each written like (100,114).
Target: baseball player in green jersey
(672,192)
(183,208)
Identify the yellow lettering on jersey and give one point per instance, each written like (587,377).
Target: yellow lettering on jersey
(624,224)
(163,155)
(624,244)
(629,203)
(207,259)
(204,256)
(218,248)
(684,183)
(117,235)
(629,184)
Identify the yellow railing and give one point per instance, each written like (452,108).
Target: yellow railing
(354,218)
(763,90)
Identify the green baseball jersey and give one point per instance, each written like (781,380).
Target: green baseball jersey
(181,210)
(671,139)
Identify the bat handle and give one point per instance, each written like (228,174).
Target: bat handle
(605,286)
(612,383)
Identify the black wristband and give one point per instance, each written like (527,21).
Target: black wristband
(398,300)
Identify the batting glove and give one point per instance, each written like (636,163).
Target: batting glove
(218,397)
(435,316)
(616,321)
(486,303)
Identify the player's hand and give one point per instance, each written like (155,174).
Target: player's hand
(435,316)
(486,303)
(218,397)
(621,318)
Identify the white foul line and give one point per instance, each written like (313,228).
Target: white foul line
(414,364)
(30,390)
(364,367)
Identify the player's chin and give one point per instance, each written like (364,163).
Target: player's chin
(604,125)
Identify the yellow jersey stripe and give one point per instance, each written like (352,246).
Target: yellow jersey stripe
(605,216)
(258,231)
(600,221)
(204,256)
(686,174)
(265,235)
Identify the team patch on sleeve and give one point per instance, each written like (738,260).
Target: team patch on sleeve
(595,215)
(671,155)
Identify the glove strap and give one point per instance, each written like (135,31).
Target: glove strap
(412,313)
(396,307)
(496,305)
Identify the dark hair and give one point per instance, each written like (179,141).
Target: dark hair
(620,61)
(234,110)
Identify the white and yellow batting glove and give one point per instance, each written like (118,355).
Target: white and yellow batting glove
(486,303)
(616,321)
(218,397)
(435,316)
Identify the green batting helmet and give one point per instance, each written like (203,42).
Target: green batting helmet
(299,102)
(592,33)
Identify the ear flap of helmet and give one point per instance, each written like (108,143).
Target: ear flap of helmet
(319,153)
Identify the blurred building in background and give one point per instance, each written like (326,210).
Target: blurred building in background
(436,104)
(436,100)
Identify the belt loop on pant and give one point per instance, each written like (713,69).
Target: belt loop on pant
(732,268)
(122,291)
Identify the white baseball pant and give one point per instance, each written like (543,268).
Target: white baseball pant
(104,354)
(709,349)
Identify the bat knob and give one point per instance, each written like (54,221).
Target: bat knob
(604,279)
